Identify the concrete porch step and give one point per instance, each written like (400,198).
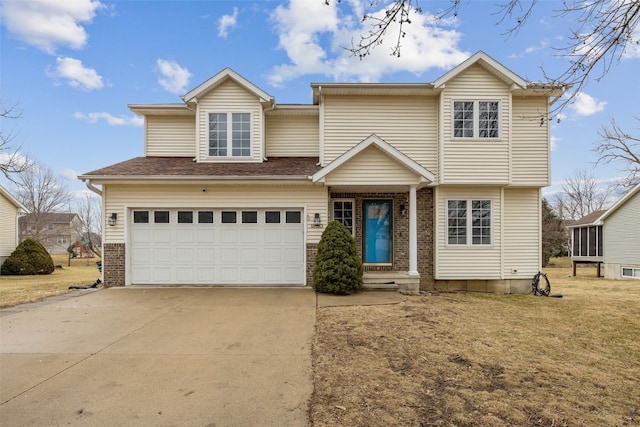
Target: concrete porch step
(391,281)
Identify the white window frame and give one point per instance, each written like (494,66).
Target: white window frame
(229,146)
(476,120)
(469,223)
(634,270)
(353,212)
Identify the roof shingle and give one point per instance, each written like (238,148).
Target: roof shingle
(186,166)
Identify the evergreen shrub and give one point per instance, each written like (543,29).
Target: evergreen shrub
(338,268)
(29,258)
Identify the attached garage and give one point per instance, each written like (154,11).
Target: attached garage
(216,246)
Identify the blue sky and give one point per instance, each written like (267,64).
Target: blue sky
(74,65)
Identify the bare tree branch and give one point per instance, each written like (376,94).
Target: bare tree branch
(617,145)
(11,161)
(89,210)
(581,195)
(603,31)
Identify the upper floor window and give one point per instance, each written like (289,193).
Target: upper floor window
(233,140)
(476,119)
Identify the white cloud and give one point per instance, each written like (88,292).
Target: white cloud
(586,105)
(110,119)
(227,21)
(76,74)
(70,174)
(173,78)
(554,142)
(314,36)
(46,24)
(632,49)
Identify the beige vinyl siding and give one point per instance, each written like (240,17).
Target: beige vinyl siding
(170,136)
(229,97)
(468,262)
(478,160)
(8,215)
(371,167)
(530,142)
(622,234)
(119,197)
(292,136)
(521,246)
(408,123)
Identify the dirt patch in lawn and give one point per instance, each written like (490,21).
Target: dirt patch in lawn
(16,290)
(483,360)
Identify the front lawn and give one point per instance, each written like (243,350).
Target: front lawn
(22,289)
(462,359)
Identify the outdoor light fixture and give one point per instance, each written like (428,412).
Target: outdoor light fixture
(403,210)
(316,220)
(112,219)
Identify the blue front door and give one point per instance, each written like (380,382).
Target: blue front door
(377,231)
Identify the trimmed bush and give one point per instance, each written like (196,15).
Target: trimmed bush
(29,258)
(338,267)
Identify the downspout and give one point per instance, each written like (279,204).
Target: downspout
(91,187)
(195,110)
(264,130)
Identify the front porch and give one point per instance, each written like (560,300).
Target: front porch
(400,281)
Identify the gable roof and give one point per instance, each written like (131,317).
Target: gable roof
(15,202)
(487,62)
(49,217)
(620,202)
(598,217)
(376,141)
(219,78)
(590,219)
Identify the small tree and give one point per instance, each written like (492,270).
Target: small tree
(554,234)
(338,267)
(30,257)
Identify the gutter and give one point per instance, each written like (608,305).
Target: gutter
(91,187)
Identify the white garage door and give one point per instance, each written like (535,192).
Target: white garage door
(217,247)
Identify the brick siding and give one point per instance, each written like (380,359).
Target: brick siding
(113,264)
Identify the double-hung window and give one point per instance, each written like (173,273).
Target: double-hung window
(476,119)
(469,222)
(229,134)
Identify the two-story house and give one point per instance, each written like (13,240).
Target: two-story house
(55,230)
(10,210)
(438,182)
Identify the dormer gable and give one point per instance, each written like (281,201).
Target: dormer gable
(491,65)
(202,89)
(230,122)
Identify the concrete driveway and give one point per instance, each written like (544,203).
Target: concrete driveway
(159,356)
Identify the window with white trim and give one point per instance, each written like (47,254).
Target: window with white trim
(476,119)
(230,141)
(343,212)
(469,218)
(631,272)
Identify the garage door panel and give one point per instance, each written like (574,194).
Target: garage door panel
(162,235)
(218,253)
(162,255)
(272,236)
(205,235)
(292,235)
(185,236)
(228,236)
(185,255)
(291,255)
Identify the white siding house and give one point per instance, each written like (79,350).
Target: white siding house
(10,210)
(611,238)
(438,182)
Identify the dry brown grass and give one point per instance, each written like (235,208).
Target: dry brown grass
(484,360)
(16,290)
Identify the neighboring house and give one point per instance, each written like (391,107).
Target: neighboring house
(610,237)
(438,182)
(56,231)
(10,210)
